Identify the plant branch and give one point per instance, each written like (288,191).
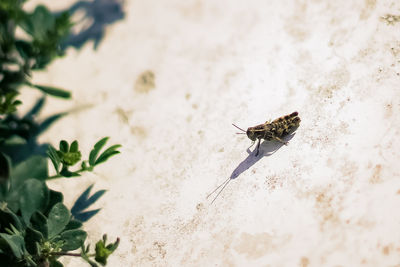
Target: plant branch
(70,254)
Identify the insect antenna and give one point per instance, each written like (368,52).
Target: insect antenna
(239,128)
(224,184)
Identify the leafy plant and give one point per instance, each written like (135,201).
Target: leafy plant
(20,56)
(69,155)
(36,228)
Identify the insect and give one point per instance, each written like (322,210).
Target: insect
(274,130)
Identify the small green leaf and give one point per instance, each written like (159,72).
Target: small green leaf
(32,239)
(64,147)
(55,263)
(34,195)
(7,103)
(53,91)
(73,224)
(8,218)
(57,220)
(71,158)
(39,223)
(33,167)
(95,151)
(103,250)
(111,151)
(55,159)
(74,146)
(39,23)
(16,243)
(5,165)
(85,166)
(24,49)
(54,198)
(74,239)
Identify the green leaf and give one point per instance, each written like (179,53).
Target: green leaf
(39,23)
(71,158)
(34,195)
(74,239)
(53,91)
(32,240)
(55,159)
(5,166)
(7,102)
(33,167)
(74,146)
(39,222)
(55,263)
(73,224)
(111,151)
(8,218)
(95,151)
(64,147)
(16,244)
(57,220)
(103,250)
(24,49)
(54,198)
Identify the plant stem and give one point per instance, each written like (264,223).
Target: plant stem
(66,254)
(70,254)
(60,176)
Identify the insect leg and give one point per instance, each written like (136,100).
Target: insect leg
(280,140)
(258,147)
(252,144)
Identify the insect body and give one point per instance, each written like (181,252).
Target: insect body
(274,130)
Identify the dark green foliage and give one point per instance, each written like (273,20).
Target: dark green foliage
(18,134)
(36,228)
(68,155)
(53,91)
(111,151)
(59,217)
(103,250)
(34,224)
(33,195)
(19,57)
(4,168)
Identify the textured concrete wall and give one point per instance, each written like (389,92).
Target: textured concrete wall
(168,80)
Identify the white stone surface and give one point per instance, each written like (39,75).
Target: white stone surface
(329,198)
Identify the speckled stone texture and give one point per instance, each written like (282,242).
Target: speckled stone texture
(167,81)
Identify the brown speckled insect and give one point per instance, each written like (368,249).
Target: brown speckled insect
(274,130)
